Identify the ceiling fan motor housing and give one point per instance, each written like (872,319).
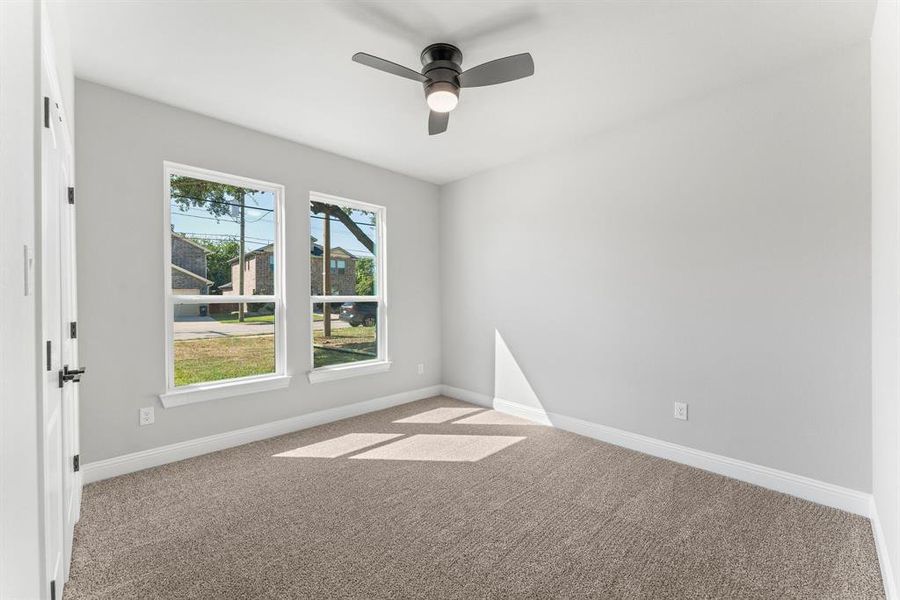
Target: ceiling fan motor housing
(441,65)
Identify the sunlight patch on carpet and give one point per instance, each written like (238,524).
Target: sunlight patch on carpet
(451,448)
(339,446)
(493,417)
(439,415)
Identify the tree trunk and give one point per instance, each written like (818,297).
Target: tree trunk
(241,267)
(326,268)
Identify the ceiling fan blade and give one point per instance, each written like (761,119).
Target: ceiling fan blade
(388,67)
(437,122)
(498,71)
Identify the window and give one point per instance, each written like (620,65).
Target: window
(348,298)
(338,267)
(224,307)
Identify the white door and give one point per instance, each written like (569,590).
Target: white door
(69,358)
(62,485)
(51,311)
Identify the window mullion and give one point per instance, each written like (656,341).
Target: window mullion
(215,299)
(335,299)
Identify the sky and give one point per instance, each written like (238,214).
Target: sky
(341,236)
(260,225)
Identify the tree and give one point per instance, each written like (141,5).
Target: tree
(365,277)
(344,216)
(220,201)
(218,261)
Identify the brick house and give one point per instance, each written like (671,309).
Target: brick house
(259,268)
(343,270)
(189,273)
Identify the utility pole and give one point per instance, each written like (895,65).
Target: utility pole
(241,305)
(326,276)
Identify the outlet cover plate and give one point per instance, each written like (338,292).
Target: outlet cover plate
(146,416)
(681,411)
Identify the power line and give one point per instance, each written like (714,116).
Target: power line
(357,222)
(223,237)
(181,211)
(217,220)
(238,204)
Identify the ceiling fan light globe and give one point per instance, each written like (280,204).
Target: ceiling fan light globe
(442,96)
(442,101)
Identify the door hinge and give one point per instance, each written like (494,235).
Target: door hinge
(46,112)
(49,353)
(76,463)
(73,330)
(71,195)
(53,590)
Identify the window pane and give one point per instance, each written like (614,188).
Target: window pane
(349,337)
(213,343)
(207,238)
(348,236)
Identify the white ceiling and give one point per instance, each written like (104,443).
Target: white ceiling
(284,68)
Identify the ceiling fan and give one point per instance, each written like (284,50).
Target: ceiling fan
(442,77)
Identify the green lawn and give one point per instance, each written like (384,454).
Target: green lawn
(213,359)
(233,318)
(347,344)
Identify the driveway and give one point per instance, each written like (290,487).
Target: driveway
(196,328)
(335,324)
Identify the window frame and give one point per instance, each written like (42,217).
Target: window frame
(223,388)
(382,362)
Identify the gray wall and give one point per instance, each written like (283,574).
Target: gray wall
(886,274)
(122,143)
(716,253)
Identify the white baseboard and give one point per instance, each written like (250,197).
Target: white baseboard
(796,485)
(781,481)
(467,396)
(129,463)
(884,561)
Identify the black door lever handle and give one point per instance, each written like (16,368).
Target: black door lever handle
(73,375)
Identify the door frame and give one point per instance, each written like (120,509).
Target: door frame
(21,530)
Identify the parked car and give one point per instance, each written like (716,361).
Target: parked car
(359,313)
(335,308)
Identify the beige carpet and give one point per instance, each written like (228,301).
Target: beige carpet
(460,504)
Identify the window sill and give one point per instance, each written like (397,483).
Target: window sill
(214,391)
(345,371)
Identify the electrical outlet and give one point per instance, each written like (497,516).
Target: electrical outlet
(147,417)
(681,411)
(421,369)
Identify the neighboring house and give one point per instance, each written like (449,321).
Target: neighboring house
(343,270)
(189,274)
(259,265)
